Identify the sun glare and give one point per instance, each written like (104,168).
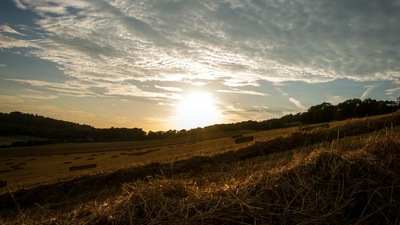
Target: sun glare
(197,110)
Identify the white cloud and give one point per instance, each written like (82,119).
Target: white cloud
(8,29)
(59,10)
(37,97)
(9,42)
(336,100)
(19,4)
(173,89)
(239,82)
(132,90)
(78,89)
(235,43)
(68,88)
(297,103)
(393,91)
(198,83)
(370,88)
(245,92)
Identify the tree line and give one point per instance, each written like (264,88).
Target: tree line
(322,113)
(18,123)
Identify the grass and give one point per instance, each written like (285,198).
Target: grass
(48,164)
(347,174)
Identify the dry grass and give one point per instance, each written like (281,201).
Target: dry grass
(45,169)
(329,186)
(304,178)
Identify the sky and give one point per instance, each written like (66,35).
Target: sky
(171,64)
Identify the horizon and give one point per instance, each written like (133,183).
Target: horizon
(187,64)
(397,102)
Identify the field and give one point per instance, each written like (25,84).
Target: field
(28,166)
(345,174)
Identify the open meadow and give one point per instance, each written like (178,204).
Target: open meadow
(27,166)
(346,173)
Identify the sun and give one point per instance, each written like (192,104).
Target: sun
(197,109)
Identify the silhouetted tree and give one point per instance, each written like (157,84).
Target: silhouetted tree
(17,123)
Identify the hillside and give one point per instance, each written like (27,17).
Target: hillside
(345,174)
(17,123)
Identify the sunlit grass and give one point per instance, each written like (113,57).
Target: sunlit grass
(346,174)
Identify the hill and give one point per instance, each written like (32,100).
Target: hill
(17,123)
(345,174)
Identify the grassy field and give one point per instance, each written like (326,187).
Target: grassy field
(345,174)
(23,167)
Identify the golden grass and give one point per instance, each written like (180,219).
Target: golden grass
(359,185)
(328,186)
(50,168)
(303,178)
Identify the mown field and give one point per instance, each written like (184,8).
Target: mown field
(345,174)
(27,166)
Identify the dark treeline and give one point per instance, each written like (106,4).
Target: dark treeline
(322,113)
(17,123)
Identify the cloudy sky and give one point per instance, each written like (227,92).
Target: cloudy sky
(156,64)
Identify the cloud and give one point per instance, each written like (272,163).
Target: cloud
(173,89)
(69,88)
(8,29)
(237,43)
(336,100)
(12,100)
(245,92)
(297,103)
(393,91)
(9,42)
(238,82)
(96,89)
(198,83)
(19,5)
(281,91)
(37,97)
(370,88)
(133,91)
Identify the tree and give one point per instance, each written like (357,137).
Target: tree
(347,109)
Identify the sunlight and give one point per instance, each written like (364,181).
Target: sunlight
(197,110)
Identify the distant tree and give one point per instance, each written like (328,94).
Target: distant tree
(370,107)
(346,109)
(17,123)
(319,113)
